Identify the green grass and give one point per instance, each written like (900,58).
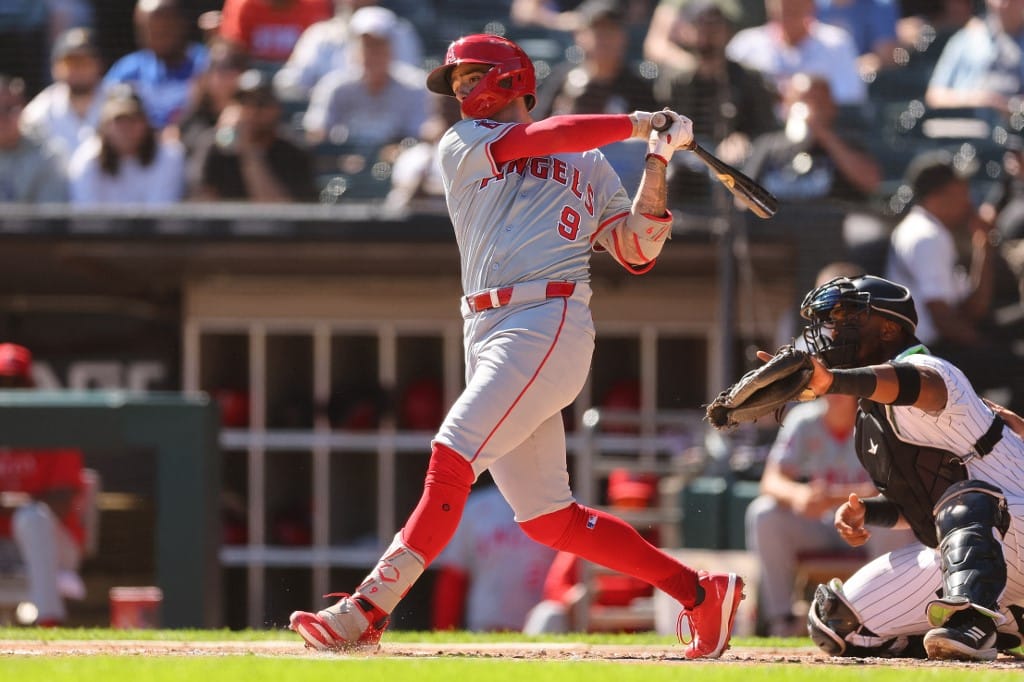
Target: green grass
(255,669)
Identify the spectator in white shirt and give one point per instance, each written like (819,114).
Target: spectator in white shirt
(380,102)
(66,112)
(956,318)
(793,41)
(126,162)
(330,45)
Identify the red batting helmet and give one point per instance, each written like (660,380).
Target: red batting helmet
(16,364)
(512,74)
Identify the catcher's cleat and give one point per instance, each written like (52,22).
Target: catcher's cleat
(968,635)
(710,622)
(353,623)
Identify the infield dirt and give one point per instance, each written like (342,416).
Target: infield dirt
(640,654)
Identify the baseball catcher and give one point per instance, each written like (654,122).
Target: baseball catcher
(946,466)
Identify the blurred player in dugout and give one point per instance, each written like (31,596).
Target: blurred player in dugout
(565,586)
(41,534)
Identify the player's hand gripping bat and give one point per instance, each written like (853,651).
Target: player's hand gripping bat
(752,195)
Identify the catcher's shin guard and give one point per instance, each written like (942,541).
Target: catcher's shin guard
(973,566)
(973,572)
(835,626)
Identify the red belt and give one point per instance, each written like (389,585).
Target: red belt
(495,298)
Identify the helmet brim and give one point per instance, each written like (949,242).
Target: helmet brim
(440,79)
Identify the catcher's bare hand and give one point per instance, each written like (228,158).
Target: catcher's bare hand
(849,522)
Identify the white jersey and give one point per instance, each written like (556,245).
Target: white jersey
(517,222)
(959,426)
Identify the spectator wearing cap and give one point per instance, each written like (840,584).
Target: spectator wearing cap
(794,41)
(245,157)
(378,102)
(126,162)
(163,69)
(41,528)
(954,306)
(269,29)
(330,45)
(67,111)
(730,105)
(601,81)
(31,171)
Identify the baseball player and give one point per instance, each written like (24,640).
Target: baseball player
(41,530)
(946,465)
(529,201)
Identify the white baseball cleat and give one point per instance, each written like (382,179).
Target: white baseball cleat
(353,623)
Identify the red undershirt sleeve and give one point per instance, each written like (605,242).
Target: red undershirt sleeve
(561,134)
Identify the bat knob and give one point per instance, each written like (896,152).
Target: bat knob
(660,121)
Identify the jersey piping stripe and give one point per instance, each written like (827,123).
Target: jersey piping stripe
(554,342)
(606,223)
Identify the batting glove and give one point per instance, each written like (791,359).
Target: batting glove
(678,135)
(641,124)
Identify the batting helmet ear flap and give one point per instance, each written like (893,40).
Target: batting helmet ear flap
(497,88)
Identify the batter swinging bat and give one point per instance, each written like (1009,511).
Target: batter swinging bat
(752,195)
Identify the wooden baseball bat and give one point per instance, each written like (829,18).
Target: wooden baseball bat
(751,194)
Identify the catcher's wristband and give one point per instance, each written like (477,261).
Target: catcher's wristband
(860,381)
(880,511)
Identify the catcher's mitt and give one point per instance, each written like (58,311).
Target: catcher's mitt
(764,390)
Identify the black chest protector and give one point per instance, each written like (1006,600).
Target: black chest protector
(911,476)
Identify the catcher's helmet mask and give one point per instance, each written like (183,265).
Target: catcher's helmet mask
(511,74)
(839,309)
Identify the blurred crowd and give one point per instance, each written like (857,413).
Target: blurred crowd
(159,101)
